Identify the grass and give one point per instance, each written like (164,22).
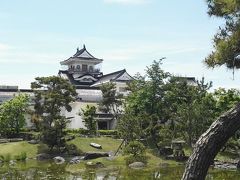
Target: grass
(16,148)
(108,144)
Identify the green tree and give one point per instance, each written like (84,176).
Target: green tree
(147,102)
(227,40)
(226,51)
(192,108)
(111,101)
(53,94)
(226,99)
(136,152)
(12,115)
(129,127)
(89,118)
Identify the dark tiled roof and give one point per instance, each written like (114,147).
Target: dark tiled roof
(110,76)
(78,55)
(73,81)
(79,52)
(105,78)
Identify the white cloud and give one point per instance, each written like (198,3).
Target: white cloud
(136,2)
(4,47)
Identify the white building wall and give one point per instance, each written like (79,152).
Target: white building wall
(76,121)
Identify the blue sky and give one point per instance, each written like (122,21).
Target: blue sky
(35,35)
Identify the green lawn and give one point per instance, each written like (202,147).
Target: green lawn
(15,148)
(108,144)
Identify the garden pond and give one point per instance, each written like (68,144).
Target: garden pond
(48,170)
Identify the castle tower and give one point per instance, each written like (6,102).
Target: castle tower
(83,69)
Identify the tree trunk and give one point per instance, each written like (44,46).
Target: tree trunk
(210,143)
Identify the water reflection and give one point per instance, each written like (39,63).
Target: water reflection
(52,171)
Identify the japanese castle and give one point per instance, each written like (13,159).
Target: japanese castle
(83,70)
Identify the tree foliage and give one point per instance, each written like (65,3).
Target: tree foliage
(52,95)
(146,101)
(226,99)
(129,127)
(111,101)
(12,115)
(227,40)
(89,119)
(166,107)
(192,108)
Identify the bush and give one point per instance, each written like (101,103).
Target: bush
(78,131)
(131,159)
(108,132)
(2,158)
(136,152)
(21,157)
(73,150)
(134,148)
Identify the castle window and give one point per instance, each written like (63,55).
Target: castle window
(90,69)
(84,67)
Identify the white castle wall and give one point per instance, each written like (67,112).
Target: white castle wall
(76,120)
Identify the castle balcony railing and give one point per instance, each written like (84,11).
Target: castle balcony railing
(93,71)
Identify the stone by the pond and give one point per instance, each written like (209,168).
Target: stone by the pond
(3,141)
(59,160)
(95,145)
(224,165)
(94,165)
(33,141)
(76,160)
(94,155)
(43,156)
(137,165)
(16,139)
(12,163)
(238,164)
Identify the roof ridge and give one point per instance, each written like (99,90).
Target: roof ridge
(123,70)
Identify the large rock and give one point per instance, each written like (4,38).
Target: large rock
(238,164)
(12,163)
(76,160)
(16,139)
(94,155)
(43,156)
(59,160)
(137,165)
(224,165)
(4,141)
(95,145)
(94,165)
(33,141)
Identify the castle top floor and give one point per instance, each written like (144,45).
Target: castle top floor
(82,61)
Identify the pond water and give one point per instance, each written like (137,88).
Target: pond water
(53,171)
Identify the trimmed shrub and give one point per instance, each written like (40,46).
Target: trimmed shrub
(21,157)
(136,152)
(108,132)
(78,131)
(131,159)
(73,150)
